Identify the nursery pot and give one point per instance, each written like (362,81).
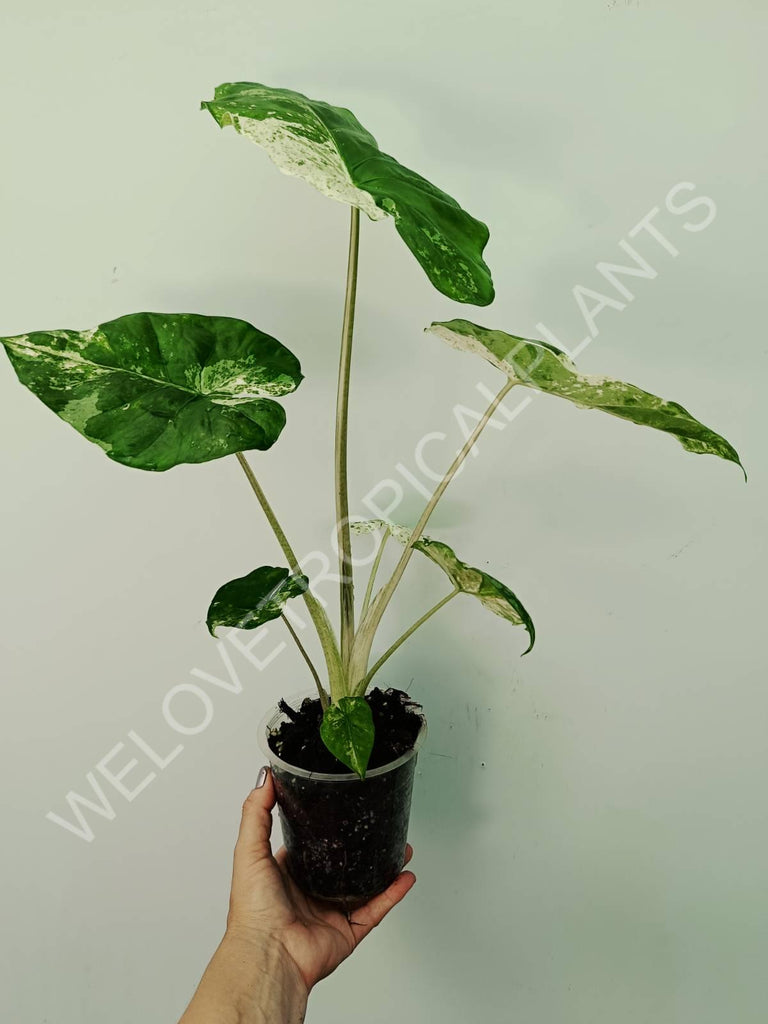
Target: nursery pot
(344,836)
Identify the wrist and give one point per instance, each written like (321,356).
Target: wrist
(250,980)
(266,983)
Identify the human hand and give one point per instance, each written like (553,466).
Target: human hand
(267,906)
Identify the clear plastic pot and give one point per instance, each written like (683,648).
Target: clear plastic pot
(345,836)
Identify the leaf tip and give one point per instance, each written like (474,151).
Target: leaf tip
(531,631)
(733,456)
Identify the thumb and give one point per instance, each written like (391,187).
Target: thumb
(253,842)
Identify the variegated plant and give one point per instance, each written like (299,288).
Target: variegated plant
(158,389)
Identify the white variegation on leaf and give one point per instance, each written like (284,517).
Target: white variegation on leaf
(249,601)
(348,731)
(314,159)
(154,390)
(491,593)
(327,147)
(538,365)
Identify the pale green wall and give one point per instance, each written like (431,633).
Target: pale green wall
(590,822)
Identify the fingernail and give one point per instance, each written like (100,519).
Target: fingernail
(261,778)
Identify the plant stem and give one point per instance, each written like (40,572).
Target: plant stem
(363,685)
(368,628)
(282,540)
(372,577)
(312,669)
(346,587)
(315,609)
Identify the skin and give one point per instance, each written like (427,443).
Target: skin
(279,943)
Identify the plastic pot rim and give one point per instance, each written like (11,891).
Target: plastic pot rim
(270,720)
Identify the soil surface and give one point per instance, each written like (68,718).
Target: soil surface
(396,719)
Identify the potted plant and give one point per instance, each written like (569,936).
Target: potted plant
(155,390)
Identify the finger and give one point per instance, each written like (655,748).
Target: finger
(256,823)
(408,853)
(365,919)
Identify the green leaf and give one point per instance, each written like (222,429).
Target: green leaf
(158,389)
(347,731)
(252,600)
(536,364)
(491,593)
(329,148)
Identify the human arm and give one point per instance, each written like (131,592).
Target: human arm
(279,942)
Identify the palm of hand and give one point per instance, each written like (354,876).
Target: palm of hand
(266,902)
(316,935)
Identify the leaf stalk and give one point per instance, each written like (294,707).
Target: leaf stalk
(320,689)
(316,611)
(362,686)
(374,573)
(367,631)
(344,540)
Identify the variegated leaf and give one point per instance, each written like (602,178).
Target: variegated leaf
(252,600)
(348,731)
(491,593)
(329,148)
(158,389)
(536,364)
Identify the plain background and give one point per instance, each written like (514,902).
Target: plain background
(589,822)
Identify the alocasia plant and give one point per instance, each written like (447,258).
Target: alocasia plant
(158,389)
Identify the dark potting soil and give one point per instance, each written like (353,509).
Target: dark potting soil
(395,720)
